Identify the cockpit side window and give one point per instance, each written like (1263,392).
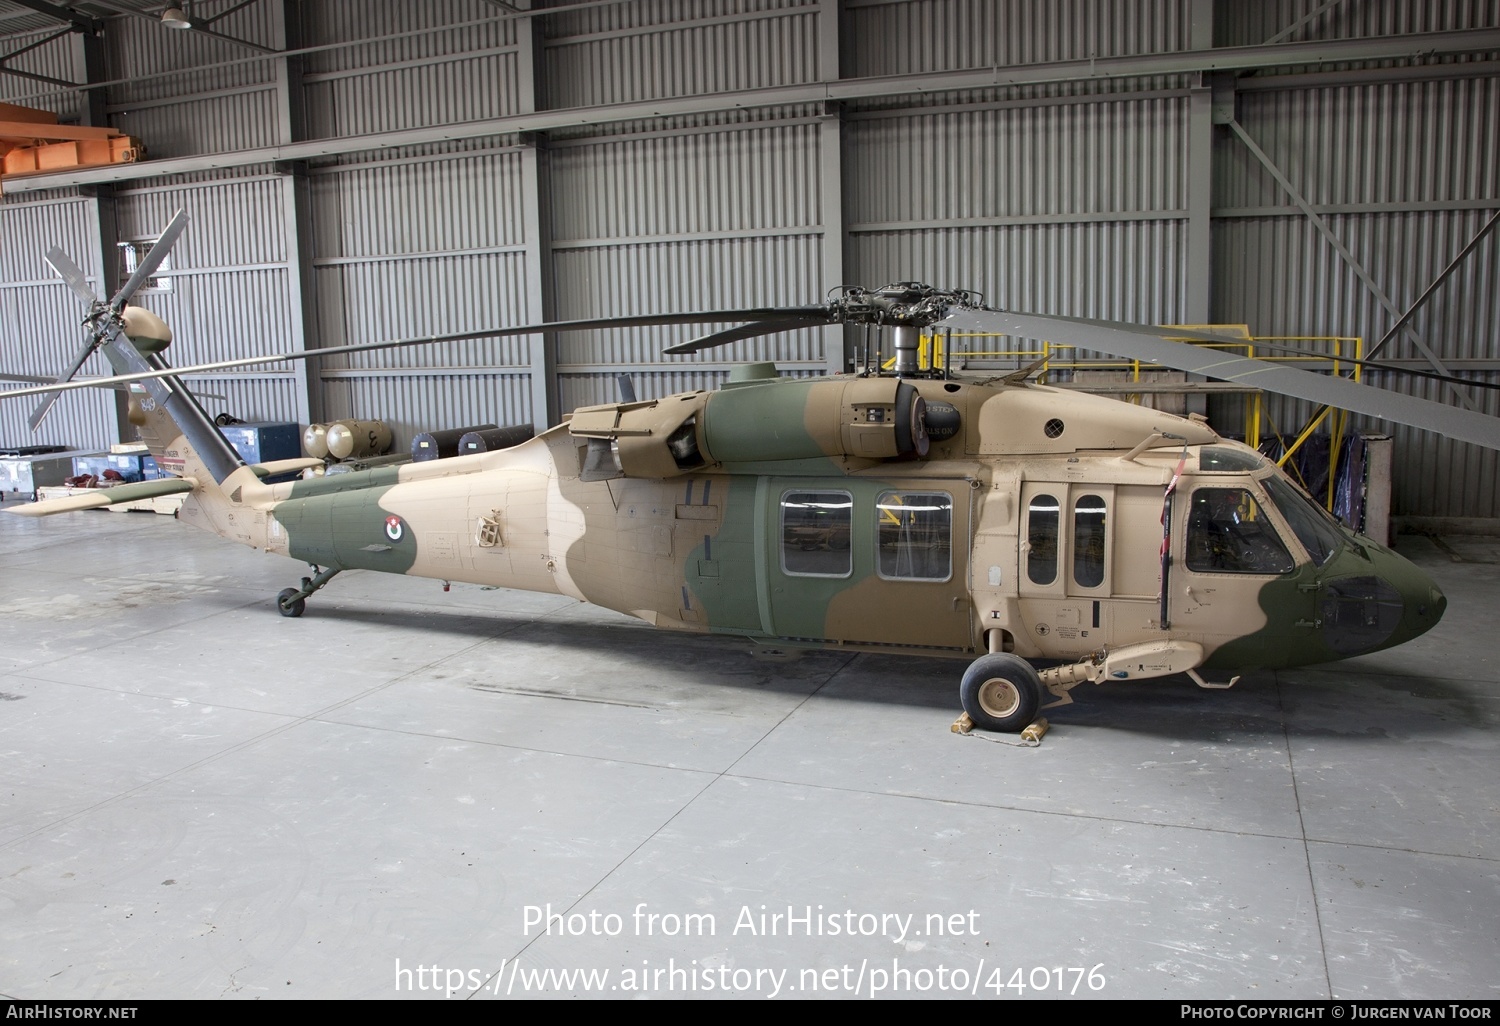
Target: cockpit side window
(1229,533)
(1314,528)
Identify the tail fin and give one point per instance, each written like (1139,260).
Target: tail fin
(170,421)
(221,490)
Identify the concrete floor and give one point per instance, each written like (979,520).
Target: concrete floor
(200,798)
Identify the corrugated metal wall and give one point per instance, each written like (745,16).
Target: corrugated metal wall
(420,247)
(40,319)
(1069,197)
(228,296)
(703,218)
(897,37)
(420,77)
(40,54)
(1245,24)
(1023,196)
(39,315)
(660,48)
(1021,204)
(231,107)
(1404,175)
(693,214)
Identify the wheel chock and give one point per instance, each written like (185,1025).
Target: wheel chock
(1035,730)
(1030,737)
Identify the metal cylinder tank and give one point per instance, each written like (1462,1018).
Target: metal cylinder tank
(439,445)
(358,438)
(490,439)
(315,441)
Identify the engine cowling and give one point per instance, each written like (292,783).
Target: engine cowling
(753,422)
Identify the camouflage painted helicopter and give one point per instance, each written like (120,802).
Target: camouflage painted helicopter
(1003,522)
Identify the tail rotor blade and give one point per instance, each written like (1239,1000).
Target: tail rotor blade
(45,406)
(147,267)
(79,283)
(75,278)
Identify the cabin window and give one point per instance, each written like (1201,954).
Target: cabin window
(915,535)
(1229,532)
(1088,541)
(815,533)
(1041,539)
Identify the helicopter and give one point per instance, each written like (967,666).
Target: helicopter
(1003,522)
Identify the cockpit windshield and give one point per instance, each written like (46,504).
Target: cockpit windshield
(1315,529)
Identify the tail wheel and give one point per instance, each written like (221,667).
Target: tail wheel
(1001,692)
(291,603)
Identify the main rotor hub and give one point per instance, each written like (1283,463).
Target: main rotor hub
(902,304)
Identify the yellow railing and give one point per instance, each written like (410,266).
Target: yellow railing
(1344,354)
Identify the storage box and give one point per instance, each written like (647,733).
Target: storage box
(127,465)
(25,474)
(262,443)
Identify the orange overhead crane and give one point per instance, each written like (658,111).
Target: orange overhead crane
(31,141)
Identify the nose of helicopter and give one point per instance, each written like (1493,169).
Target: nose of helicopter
(1367,611)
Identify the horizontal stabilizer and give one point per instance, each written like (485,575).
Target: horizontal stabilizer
(271,468)
(95,498)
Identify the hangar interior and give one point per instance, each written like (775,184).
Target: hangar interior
(202,799)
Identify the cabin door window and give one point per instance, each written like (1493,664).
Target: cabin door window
(1089,522)
(865,563)
(1042,537)
(1066,569)
(914,536)
(815,534)
(1065,542)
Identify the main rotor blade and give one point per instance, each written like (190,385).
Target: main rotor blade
(50,399)
(76,279)
(38,379)
(1155,345)
(592,324)
(807,318)
(152,261)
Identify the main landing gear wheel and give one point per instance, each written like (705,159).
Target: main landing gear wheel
(291,603)
(1001,692)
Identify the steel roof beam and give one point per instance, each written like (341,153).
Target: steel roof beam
(76,20)
(843,90)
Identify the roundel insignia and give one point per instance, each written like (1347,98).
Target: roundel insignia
(394,528)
